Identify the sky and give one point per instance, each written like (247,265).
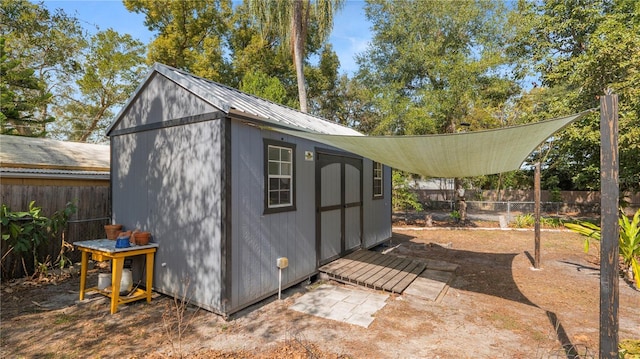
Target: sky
(350,36)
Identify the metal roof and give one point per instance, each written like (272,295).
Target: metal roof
(233,101)
(44,153)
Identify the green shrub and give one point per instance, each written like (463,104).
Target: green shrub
(628,240)
(26,232)
(550,222)
(403,198)
(629,348)
(528,221)
(524,221)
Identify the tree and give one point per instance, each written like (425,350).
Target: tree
(45,43)
(290,20)
(191,34)
(580,48)
(435,64)
(253,53)
(264,86)
(111,68)
(17,104)
(323,82)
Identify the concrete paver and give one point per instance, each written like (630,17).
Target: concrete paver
(429,284)
(349,305)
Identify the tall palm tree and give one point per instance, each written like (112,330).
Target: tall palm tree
(290,21)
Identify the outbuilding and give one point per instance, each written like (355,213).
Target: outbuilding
(204,168)
(52,173)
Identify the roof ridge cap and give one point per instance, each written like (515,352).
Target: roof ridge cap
(160,67)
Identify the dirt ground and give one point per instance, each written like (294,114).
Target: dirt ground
(497,307)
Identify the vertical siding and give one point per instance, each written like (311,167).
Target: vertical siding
(168,181)
(161,100)
(259,239)
(377,213)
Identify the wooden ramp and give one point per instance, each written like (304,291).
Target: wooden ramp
(374,270)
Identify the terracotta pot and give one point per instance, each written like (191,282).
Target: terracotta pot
(112,231)
(142,238)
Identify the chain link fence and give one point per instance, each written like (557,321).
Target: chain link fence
(514,202)
(511,209)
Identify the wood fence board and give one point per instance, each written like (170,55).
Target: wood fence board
(94,209)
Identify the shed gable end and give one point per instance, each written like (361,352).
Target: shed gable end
(160,100)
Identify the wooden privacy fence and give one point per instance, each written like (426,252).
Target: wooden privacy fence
(94,210)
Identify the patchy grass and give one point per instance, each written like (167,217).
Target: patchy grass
(505,321)
(63,318)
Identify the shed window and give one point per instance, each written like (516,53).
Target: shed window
(279,178)
(377,180)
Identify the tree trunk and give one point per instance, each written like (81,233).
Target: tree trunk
(297,35)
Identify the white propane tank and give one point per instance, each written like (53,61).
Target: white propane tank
(104,280)
(126,283)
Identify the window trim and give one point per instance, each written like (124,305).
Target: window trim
(281,144)
(374,195)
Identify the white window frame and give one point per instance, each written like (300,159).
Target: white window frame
(285,169)
(378,176)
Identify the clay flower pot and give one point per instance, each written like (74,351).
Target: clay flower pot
(142,238)
(112,231)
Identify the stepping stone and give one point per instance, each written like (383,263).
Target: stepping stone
(357,307)
(430,284)
(441,265)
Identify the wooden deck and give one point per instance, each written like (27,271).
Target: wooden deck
(374,270)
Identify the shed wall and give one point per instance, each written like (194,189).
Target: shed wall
(377,212)
(168,182)
(167,179)
(161,100)
(259,239)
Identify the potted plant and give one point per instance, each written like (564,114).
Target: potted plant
(142,237)
(112,231)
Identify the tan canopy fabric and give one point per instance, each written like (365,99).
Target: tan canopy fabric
(449,155)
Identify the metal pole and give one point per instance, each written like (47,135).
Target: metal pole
(536,196)
(279,283)
(609,251)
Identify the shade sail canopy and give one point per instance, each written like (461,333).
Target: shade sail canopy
(449,155)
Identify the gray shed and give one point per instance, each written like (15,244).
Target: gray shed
(202,166)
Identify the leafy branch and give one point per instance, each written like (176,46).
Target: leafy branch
(25,232)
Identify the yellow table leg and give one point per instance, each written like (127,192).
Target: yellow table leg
(149,271)
(83,273)
(116,275)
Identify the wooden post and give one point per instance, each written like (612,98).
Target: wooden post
(609,251)
(536,196)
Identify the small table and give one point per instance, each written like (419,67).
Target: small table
(104,249)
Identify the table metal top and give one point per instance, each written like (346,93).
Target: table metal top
(109,246)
